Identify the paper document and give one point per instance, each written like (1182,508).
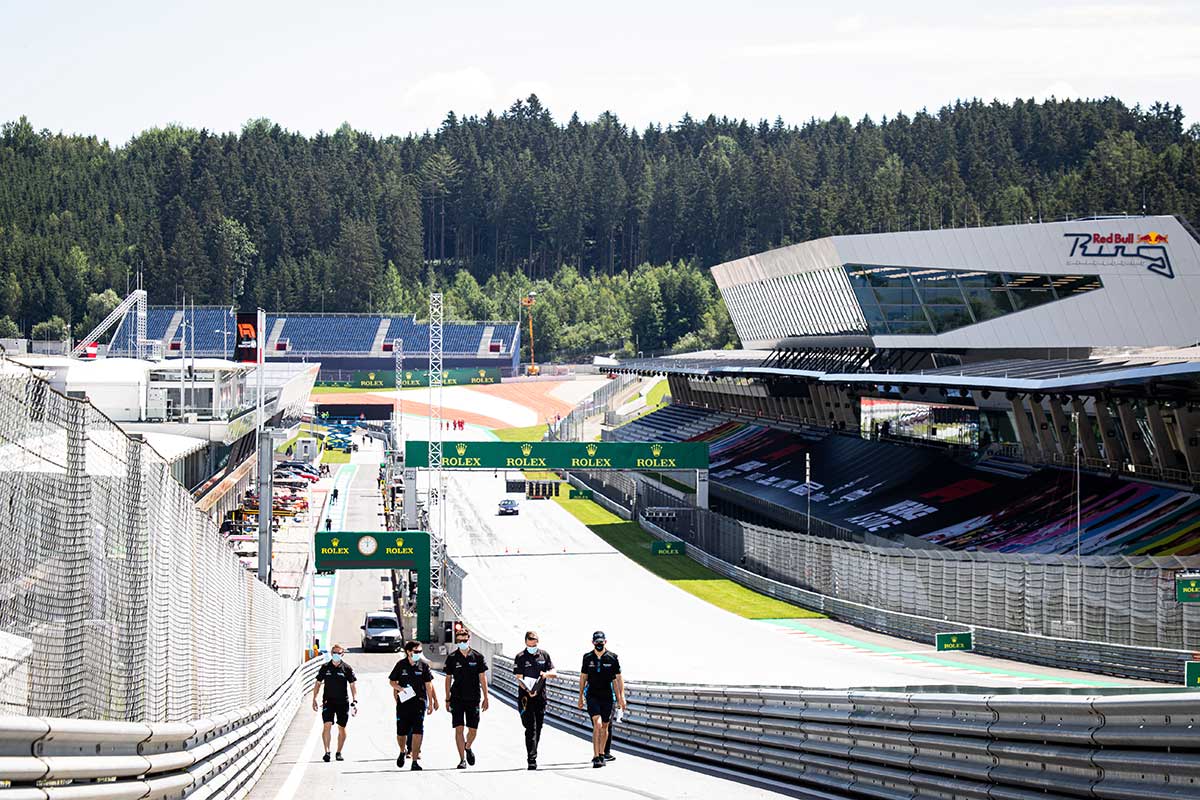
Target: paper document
(406,694)
(529,683)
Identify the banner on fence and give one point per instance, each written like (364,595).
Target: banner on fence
(411,378)
(662,548)
(960,640)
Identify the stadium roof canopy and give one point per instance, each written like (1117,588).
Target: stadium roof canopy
(1024,375)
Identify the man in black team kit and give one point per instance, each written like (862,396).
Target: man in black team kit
(466,688)
(600,673)
(532,667)
(412,686)
(336,676)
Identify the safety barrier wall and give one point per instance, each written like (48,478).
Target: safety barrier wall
(217,757)
(118,597)
(883,581)
(901,744)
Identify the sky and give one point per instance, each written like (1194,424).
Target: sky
(115,69)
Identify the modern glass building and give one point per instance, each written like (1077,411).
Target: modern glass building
(1111,282)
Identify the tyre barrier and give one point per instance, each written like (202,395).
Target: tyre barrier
(1126,661)
(902,744)
(217,758)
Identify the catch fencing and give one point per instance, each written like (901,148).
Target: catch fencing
(570,427)
(118,598)
(899,744)
(1123,606)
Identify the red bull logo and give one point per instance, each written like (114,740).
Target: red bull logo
(1153,237)
(1147,249)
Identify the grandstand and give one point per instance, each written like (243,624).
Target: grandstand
(1022,389)
(343,343)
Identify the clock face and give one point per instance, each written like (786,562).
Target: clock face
(367,545)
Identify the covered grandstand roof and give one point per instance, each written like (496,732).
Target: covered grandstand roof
(1016,374)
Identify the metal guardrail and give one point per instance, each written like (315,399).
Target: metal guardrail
(901,744)
(1127,661)
(212,759)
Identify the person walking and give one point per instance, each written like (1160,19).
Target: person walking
(333,496)
(600,684)
(412,687)
(533,667)
(335,675)
(466,694)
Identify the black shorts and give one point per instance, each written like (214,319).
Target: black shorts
(464,712)
(410,718)
(335,711)
(600,704)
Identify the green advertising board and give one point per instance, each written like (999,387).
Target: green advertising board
(379,550)
(580,494)
(1191,674)
(1187,588)
(411,378)
(660,548)
(960,640)
(562,455)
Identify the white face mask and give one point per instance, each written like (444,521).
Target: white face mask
(415,658)
(463,646)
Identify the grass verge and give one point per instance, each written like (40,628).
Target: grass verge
(681,571)
(658,394)
(530,433)
(335,457)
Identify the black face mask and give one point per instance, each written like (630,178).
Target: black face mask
(598,645)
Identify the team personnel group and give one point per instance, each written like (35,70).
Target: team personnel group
(601,692)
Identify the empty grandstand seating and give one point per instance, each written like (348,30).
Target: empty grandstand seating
(897,490)
(315,334)
(350,334)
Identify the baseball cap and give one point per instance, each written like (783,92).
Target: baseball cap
(599,635)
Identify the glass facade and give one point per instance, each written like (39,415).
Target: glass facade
(908,300)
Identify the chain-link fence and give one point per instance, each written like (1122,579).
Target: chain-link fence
(570,427)
(118,598)
(1127,600)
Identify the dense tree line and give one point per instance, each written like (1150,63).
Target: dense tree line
(506,202)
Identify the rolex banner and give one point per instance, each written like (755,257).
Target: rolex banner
(386,378)
(563,455)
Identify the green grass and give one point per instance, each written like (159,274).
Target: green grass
(658,395)
(530,433)
(335,457)
(693,578)
(667,480)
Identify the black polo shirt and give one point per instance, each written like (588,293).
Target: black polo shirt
(601,670)
(412,675)
(464,670)
(337,679)
(531,666)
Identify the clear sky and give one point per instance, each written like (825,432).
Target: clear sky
(113,69)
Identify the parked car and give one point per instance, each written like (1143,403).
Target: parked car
(381,631)
(509,506)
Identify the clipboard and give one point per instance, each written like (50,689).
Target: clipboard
(406,694)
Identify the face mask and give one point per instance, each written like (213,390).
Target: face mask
(531,650)
(598,645)
(336,658)
(415,658)
(463,646)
